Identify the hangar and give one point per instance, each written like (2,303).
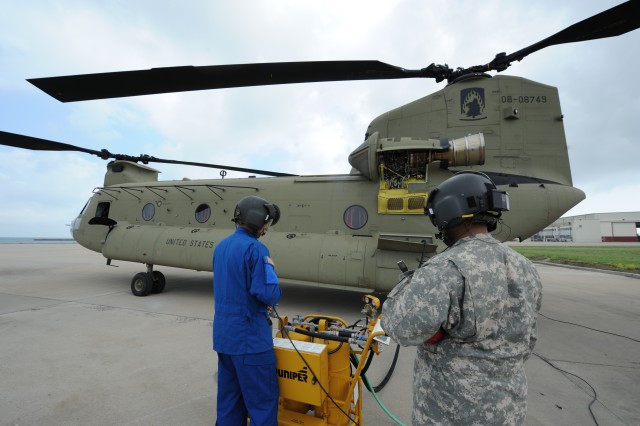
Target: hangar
(593,228)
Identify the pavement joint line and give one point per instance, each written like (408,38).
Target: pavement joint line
(156,413)
(142,311)
(80,302)
(60,302)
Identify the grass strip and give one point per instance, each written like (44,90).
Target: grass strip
(615,258)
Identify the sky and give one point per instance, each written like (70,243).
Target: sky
(297,128)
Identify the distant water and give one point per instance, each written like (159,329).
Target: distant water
(4,240)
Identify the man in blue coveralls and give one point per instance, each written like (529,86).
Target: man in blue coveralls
(245,287)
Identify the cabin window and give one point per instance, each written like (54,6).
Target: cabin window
(355,217)
(203,213)
(148,211)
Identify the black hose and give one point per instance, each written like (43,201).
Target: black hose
(366,366)
(321,335)
(337,349)
(387,377)
(390,372)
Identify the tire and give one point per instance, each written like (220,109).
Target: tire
(158,282)
(141,284)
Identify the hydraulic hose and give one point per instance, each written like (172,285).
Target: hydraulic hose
(387,376)
(325,336)
(387,412)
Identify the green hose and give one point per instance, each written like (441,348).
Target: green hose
(391,416)
(373,392)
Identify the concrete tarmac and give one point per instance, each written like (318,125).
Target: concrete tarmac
(77,348)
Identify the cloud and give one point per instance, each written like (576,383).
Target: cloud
(299,128)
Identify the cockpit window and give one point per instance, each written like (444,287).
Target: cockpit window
(84,208)
(103,209)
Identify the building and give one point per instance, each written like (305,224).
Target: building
(593,228)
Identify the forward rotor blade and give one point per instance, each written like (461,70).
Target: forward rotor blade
(216,166)
(612,22)
(181,79)
(37,144)
(28,142)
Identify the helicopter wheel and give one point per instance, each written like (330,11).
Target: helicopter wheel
(158,282)
(141,284)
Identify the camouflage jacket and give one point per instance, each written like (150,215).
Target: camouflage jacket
(484,297)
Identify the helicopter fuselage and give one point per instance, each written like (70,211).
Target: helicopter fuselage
(349,231)
(179,223)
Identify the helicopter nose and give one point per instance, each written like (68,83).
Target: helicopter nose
(74,227)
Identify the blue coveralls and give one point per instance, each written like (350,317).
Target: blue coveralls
(244,285)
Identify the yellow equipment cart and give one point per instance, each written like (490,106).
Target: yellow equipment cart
(319,361)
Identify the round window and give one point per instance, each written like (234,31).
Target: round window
(148,211)
(203,213)
(355,217)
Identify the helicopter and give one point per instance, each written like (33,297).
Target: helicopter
(343,231)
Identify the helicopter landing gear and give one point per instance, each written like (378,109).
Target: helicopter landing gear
(158,282)
(145,283)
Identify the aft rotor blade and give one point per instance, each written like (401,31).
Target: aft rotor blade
(187,78)
(37,144)
(612,22)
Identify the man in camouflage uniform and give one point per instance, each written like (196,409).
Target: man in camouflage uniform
(471,310)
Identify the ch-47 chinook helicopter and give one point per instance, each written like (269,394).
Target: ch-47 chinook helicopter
(342,231)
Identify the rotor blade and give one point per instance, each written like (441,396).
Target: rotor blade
(615,21)
(146,159)
(187,78)
(612,22)
(37,144)
(28,142)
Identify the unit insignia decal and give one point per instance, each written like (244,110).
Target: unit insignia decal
(472,104)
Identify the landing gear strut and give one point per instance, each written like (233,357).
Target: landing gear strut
(145,283)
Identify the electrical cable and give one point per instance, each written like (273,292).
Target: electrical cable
(595,394)
(589,328)
(502,224)
(283,329)
(354,324)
